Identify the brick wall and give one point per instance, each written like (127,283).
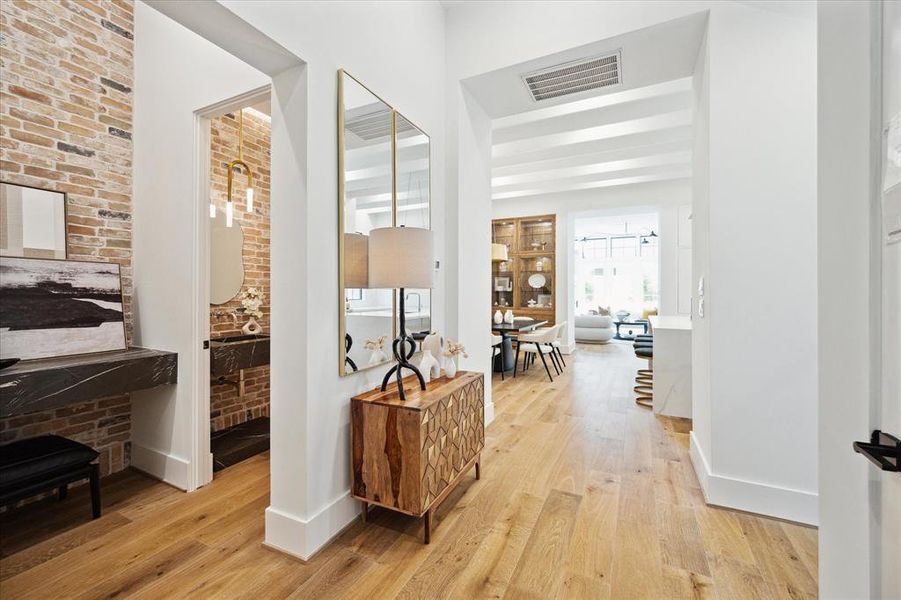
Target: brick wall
(65,125)
(226,408)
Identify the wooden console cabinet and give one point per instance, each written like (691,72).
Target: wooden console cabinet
(408,455)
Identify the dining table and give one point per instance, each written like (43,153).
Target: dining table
(504,361)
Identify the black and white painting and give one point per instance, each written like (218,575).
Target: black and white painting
(59,307)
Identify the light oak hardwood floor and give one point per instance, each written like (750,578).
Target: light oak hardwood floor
(583,495)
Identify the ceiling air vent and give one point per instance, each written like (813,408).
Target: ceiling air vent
(574,77)
(375,124)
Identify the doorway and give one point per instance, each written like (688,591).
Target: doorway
(239,164)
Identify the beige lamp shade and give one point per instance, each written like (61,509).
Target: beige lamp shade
(499,252)
(356,261)
(401,257)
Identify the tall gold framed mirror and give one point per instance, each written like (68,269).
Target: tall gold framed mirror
(383,181)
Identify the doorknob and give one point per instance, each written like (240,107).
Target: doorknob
(883,450)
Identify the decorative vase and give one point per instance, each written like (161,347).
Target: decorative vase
(450,367)
(508,317)
(498,317)
(378,357)
(252,327)
(429,366)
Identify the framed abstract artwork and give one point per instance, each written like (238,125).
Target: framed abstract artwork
(59,307)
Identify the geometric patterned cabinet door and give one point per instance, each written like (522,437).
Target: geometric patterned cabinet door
(408,455)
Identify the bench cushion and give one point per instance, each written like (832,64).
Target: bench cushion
(37,457)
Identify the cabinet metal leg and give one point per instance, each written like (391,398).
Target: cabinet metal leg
(365,511)
(478,470)
(427,526)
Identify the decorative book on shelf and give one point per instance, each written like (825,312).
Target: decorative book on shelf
(408,455)
(525,282)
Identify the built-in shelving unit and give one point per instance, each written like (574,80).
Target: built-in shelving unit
(525,283)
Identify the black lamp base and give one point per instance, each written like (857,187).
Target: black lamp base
(402,355)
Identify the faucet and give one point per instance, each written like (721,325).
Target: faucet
(418,301)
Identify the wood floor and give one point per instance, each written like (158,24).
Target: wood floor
(583,495)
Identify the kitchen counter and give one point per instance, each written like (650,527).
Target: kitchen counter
(672,365)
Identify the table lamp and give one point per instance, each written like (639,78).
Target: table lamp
(399,258)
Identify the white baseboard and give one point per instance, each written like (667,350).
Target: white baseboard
(302,538)
(489,413)
(169,468)
(568,348)
(752,496)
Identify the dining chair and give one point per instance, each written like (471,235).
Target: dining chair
(497,347)
(540,343)
(558,343)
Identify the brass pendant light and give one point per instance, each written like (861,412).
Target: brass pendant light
(239,162)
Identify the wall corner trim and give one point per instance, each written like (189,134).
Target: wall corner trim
(751,496)
(489,413)
(161,465)
(302,538)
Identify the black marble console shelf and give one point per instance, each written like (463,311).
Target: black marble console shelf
(43,383)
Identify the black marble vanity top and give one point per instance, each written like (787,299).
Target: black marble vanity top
(33,385)
(231,354)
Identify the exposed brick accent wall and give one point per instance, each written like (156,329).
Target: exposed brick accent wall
(65,125)
(226,408)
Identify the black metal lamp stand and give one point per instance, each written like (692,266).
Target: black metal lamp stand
(402,355)
(348,344)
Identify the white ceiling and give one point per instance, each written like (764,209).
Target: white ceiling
(632,133)
(660,53)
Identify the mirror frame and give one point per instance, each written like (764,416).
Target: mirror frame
(342,313)
(65,196)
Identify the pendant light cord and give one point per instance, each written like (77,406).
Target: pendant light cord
(241,134)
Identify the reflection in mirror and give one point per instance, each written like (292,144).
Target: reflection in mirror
(365,127)
(226,260)
(32,222)
(414,209)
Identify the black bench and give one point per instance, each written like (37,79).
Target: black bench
(38,464)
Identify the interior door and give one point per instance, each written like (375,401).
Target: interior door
(886,501)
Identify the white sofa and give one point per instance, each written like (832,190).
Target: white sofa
(597,329)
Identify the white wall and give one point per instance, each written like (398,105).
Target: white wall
(376,44)
(851,256)
(176,73)
(761,409)
(700,224)
(665,198)
(473,267)
(762,280)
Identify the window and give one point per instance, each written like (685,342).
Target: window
(594,248)
(617,270)
(621,247)
(648,246)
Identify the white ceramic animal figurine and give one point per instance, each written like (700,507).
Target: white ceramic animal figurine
(508,317)
(434,343)
(378,355)
(498,317)
(429,366)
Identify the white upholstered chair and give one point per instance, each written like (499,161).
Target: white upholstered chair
(541,343)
